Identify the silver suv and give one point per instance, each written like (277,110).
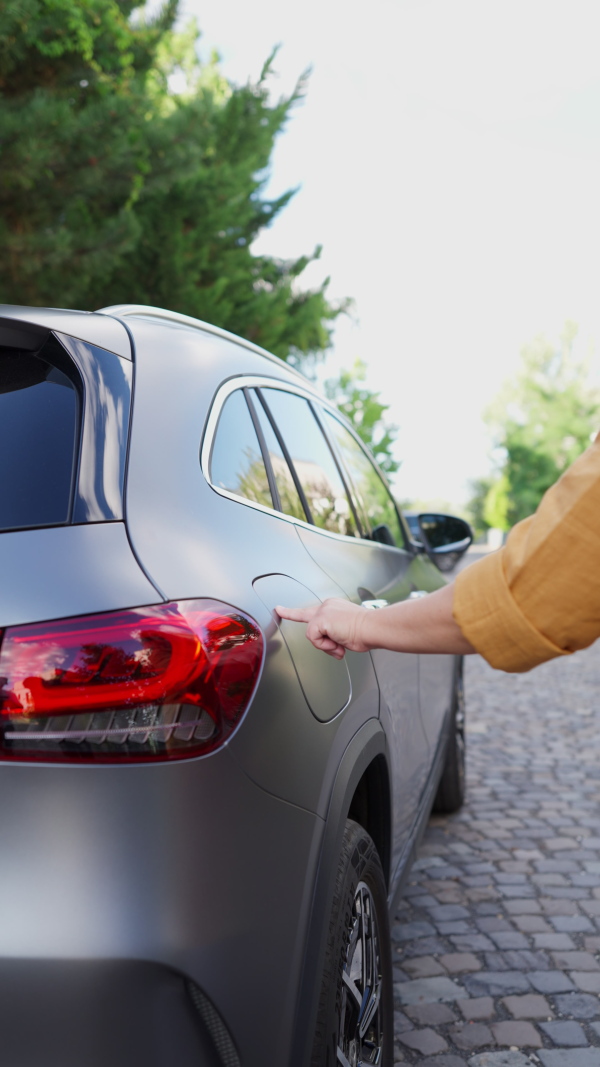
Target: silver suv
(205,821)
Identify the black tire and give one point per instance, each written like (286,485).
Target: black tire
(451,790)
(358,955)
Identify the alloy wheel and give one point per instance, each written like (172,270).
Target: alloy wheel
(360,1039)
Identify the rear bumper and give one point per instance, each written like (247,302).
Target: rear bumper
(122,886)
(113,1013)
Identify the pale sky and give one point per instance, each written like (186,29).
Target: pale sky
(448,158)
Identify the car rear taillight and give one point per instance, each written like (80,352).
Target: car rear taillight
(154,683)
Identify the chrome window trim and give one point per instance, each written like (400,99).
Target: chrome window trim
(251,381)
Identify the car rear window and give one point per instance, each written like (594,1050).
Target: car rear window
(39,417)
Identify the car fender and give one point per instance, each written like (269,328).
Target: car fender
(367,743)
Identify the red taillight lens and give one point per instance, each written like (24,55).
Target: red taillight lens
(165,682)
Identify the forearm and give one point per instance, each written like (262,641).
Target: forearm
(423,625)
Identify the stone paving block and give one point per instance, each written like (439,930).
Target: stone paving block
(564,1032)
(493,924)
(590,907)
(579,961)
(443,1061)
(408,931)
(457,962)
(423,946)
(572,924)
(472,943)
(509,939)
(422,967)
(427,1042)
(425,990)
(592,944)
(550,981)
(517,1032)
(471,1036)
(530,1006)
(401,1022)
(477,1008)
(525,960)
(500,1059)
(448,912)
(459,926)
(578,1005)
(434,1014)
(495,983)
(559,844)
(577,1057)
(553,941)
(531,924)
(559,907)
(522,906)
(588,982)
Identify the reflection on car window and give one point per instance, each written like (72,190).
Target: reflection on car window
(236,463)
(288,494)
(38,422)
(373,496)
(313,461)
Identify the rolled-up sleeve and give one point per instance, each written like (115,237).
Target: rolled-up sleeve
(539,596)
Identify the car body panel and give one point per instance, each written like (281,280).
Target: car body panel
(325,683)
(101,330)
(69,570)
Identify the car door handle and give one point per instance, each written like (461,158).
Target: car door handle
(417,594)
(374,603)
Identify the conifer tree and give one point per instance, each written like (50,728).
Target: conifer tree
(114,188)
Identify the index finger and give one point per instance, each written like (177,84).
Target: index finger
(295,614)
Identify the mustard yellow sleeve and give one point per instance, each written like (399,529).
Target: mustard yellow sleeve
(539,596)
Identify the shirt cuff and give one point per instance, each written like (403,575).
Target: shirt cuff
(492,621)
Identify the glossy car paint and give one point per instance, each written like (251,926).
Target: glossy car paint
(216,869)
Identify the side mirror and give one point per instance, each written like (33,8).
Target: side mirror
(383,534)
(445,538)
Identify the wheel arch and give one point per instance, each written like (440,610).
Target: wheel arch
(361,786)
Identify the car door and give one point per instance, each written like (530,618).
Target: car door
(380,516)
(365,571)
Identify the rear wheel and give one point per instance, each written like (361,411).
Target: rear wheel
(451,790)
(355,1019)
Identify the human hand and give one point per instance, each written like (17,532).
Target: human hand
(333,626)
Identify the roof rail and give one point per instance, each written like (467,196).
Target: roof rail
(125,311)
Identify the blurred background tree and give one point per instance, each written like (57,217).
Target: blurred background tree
(540,423)
(133,173)
(365,411)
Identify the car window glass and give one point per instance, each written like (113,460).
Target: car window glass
(288,494)
(38,423)
(313,461)
(374,498)
(236,462)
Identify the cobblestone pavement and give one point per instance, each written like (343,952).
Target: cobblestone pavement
(496,943)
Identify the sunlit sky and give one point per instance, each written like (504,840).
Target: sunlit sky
(448,159)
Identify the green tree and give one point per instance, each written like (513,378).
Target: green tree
(116,188)
(365,411)
(541,422)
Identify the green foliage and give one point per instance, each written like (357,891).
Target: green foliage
(479,488)
(497,504)
(366,413)
(114,188)
(541,422)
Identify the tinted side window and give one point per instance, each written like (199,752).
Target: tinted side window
(236,462)
(313,461)
(38,441)
(288,494)
(374,499)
